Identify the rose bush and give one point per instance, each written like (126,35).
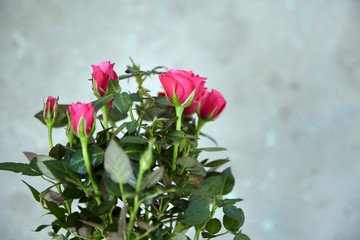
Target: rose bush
(144,177)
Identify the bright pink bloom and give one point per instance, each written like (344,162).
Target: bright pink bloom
(211,105)
(101,76)
(79,111)
(183,84)
(50,103)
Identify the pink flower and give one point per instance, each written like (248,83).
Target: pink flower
(181,87)
(211,105)
(82,111)
(101,76)
(50,107)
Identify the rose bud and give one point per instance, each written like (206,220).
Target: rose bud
(51,110)
(82,118)
(181,87)
(101,76)
(211,105)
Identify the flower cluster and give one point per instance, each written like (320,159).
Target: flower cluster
(142,175)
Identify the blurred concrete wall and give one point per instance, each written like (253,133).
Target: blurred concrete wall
(290,71)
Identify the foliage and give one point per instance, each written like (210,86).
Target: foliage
(142,193)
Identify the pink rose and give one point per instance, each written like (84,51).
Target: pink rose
(82,111)
(101,76)
(51,108)
(211,105)
(185,84)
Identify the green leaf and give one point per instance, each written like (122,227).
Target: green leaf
(34,192)
(240,236)
(187,162)
(207,235)
(61,171)
(234,218)
(133,139)
(77,164)
(217,163)
(152,178)
(57,211)
(179,236)
(213,226)
(38,164)
(212,149)
(228,180)
(58,151)
(72,193)
(212,186)
(176,136)
(231,224)
(122,102)
(134,151)
(131,126)
(223,202)
(197,212)
(102,101)
(117,163)
(163,101)
(14,167)
(41,227)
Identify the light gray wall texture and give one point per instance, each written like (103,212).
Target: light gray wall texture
(290,71)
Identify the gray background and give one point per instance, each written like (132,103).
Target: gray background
(290,71)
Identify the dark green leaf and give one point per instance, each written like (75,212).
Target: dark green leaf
(102,101)
(163,101)
(212,149)
(221,203)
(197,212)
(122,102)
(77,164)
(14,167)
(37,163)
(231,224)
(187,162)
(72,193)
(133,139)
(211,186)
(41,227)
(34,192)
(217,163)
(61,171)
(207,235)
(176,136)
(240,236)
(58,151)
(213,226)
(234,217)
(57,211)
(228,180)
(134,151)
(131,126)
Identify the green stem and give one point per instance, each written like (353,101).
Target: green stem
(49,127)
(179,112)
(201,123)
(84,147)
(133,213)
(105,120)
